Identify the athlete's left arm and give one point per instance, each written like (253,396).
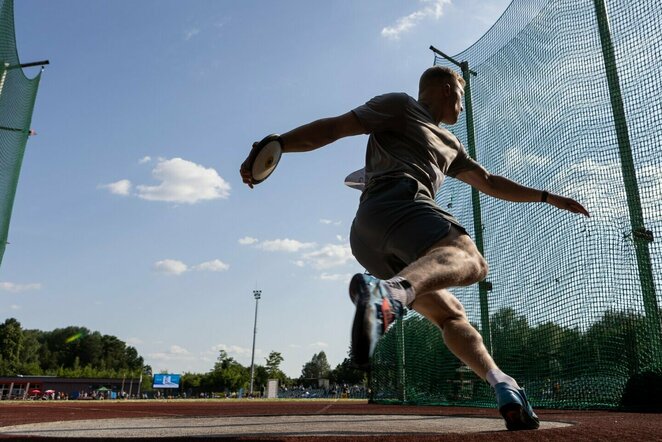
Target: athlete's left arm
(505,189)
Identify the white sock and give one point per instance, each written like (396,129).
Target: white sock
(401,290)
(496,376)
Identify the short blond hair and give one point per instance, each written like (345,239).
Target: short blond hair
(437,74)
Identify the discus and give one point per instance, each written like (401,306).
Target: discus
(268,153)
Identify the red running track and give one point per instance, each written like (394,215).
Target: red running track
(589,425)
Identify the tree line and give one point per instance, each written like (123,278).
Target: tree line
(77,352)
(230,376)
(68,352)
(555,362)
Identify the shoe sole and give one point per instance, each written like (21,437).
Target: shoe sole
(517,418)
(363,322)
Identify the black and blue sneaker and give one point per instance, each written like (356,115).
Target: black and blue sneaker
(376,310)
(515,408)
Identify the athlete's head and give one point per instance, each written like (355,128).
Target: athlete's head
(442,89)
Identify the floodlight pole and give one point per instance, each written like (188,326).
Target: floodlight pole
(257,294)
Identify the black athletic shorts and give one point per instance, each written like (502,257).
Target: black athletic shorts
(397,221)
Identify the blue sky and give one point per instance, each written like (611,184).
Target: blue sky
(130,216)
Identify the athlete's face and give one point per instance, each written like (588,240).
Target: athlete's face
(452,94)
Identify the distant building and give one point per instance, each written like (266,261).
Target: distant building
(23,387)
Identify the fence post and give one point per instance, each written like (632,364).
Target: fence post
(475,200)
(400,361)
(640,236)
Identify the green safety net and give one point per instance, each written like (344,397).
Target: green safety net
(17,97)
(568,100)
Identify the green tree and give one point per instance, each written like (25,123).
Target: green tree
(90,348)
(11,344)
(317,368)
(114,356)
(273,363)
(619,344)
(347,373)
(227,374)
(31,353)
(261,377)
(273,368)
(544,345)
(510,336)
(191,382)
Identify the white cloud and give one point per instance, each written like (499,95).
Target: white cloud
(17,288)
(215,265)
(177,350)
(240,354)
(331,255)
(175,353)
(15,307)
(121,187)
(134,341)
(431,9)
(184,182)
(232,349)
(587,180)
(176,267)
(318,344)
(515,158)
(191,33)
(345,277)
(285,245)
(324,257)
(170,267)
(329,222)
(145,159)
(247,240)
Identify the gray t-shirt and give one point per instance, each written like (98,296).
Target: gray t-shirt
(405,141)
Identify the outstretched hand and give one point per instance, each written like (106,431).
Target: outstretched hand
(566,204)
(245,169)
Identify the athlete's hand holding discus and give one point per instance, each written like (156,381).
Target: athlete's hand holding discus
(262,160)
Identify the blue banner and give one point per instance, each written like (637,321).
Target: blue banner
(166,381)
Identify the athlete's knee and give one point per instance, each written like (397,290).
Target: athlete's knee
(482,268)
(477,271)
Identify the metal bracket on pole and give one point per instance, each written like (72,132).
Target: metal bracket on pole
(644,234)
(29,65)
(485,285)
(461,64)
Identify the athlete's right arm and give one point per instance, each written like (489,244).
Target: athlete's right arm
(319,133)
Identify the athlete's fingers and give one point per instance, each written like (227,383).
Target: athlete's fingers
(575,207)
(579,208)
(246,175)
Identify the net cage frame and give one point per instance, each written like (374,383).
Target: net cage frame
(18,94)
(565,98)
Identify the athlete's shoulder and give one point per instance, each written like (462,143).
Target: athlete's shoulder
(392,97)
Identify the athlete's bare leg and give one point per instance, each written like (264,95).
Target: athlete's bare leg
(453,261)
(446,312)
